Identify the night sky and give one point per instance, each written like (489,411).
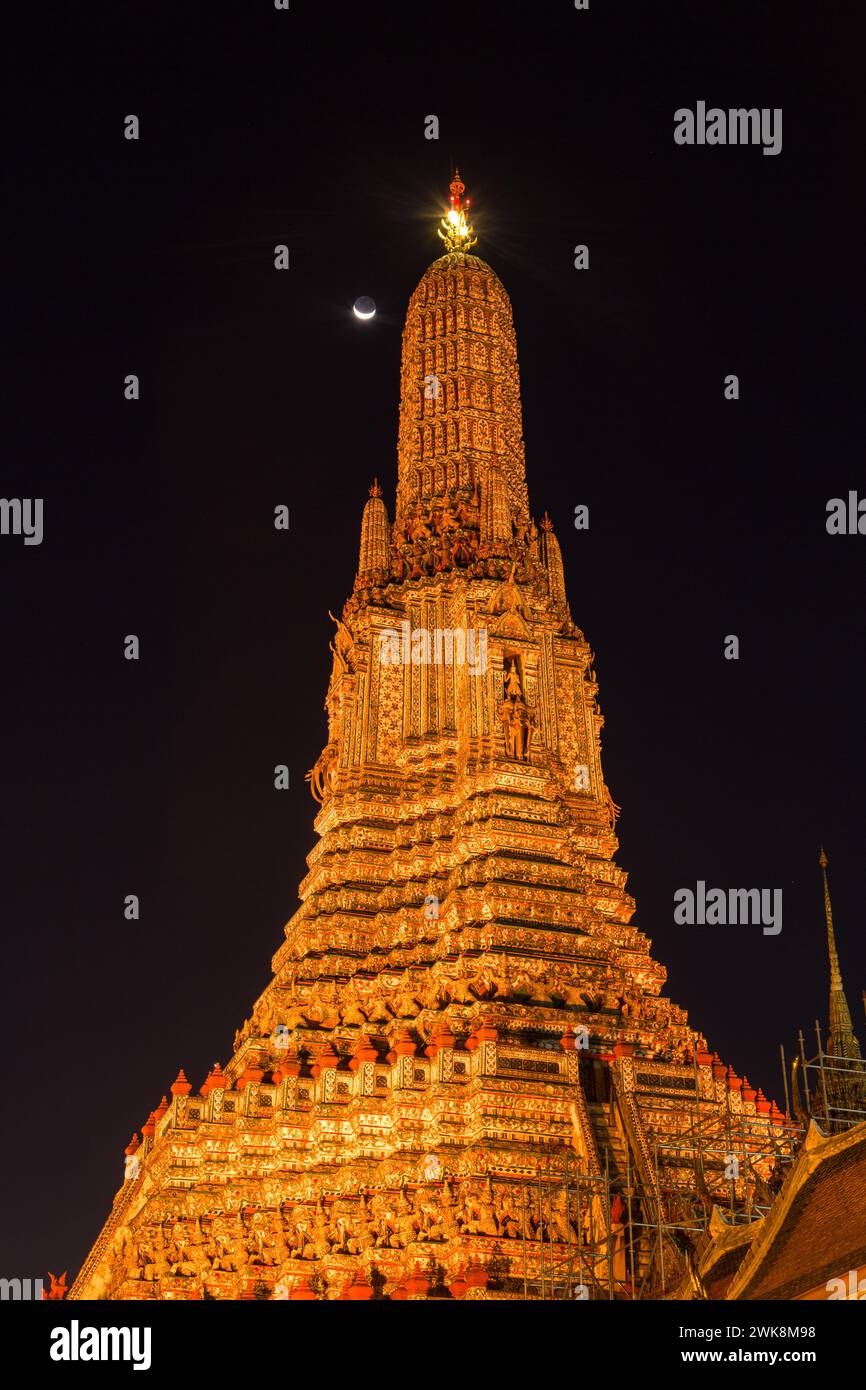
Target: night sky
(707,516)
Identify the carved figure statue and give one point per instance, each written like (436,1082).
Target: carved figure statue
(57,1288)
(518,722)
(343,645)
(513,688)
(418,529)
(352,1013)
(323,776)
(406,1003)
(507,1215)
(510,603)
(480,1217)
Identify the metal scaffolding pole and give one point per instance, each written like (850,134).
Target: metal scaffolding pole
(785,1079)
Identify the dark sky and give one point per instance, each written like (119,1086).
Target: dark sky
(707,517)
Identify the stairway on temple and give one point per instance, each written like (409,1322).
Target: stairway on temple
(609,1142)
(611,1146)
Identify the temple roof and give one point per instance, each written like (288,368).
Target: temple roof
(816,1229)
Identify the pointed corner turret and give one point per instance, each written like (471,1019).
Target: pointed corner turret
(375,538)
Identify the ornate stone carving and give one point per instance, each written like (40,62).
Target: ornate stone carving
(461,969)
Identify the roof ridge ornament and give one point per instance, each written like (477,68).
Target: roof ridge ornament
(457,233)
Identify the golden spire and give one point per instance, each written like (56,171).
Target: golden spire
(842,1041)
(551,558)
(455,231)
(835,972)
(375,537)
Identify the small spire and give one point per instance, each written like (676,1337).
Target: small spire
(550,555)
(842,1041)
(835,972)
(457,233)
(375,538)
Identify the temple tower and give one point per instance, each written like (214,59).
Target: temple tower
(461,1019)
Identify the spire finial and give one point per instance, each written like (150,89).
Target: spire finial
(835,973)
(457,233)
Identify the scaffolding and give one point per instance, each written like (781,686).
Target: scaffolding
(638,1234)
(588,1236)
(828,1088)
(635,1231)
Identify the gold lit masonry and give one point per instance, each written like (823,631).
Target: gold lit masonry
(463,1079)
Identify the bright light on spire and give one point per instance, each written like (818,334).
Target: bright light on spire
(457,233)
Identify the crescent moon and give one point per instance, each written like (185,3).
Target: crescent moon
(360,315)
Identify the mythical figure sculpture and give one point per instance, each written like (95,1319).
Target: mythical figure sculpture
(518,723)
(343,645)
(480,1215)
(57,1288)
(323,776)
(512,607)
